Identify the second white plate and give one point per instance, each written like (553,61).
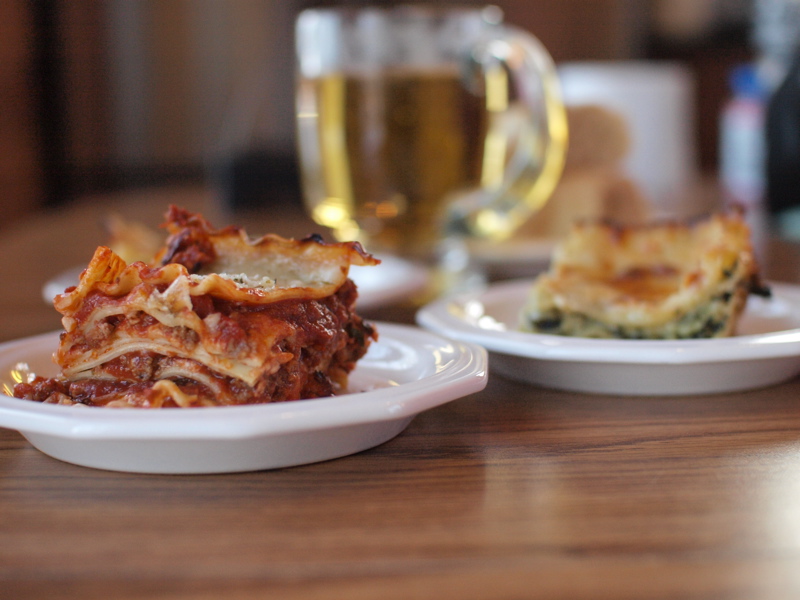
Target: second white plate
(391,281)
(765,351)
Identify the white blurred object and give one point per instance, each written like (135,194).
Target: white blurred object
(776,32)
(742,150)
(656,99)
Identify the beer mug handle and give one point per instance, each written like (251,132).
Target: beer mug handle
(526,138)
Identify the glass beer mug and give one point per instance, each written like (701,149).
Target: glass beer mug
(418,123)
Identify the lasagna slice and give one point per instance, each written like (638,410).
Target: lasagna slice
(658,281)
(216,319)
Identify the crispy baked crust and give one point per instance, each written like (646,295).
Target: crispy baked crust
(217,319)
(659,281)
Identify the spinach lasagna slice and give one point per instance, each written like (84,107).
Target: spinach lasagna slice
(216,319)
(658,281)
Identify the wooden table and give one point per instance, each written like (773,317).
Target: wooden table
(515,492)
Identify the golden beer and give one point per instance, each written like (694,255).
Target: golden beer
(382,154)
(420,127)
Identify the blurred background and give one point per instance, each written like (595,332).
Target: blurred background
(105,95)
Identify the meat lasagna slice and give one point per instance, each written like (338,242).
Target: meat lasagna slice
(216,319)
(659,281)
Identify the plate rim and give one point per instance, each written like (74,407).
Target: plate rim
(464,374)
(515,252)
(438,317)
(416,278)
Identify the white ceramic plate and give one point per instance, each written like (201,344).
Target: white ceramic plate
(765,351)
(515,257)
(404,373)
(391,281)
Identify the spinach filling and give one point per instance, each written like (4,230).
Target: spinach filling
(708,320)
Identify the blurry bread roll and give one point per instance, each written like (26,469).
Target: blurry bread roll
(593,185)
(598,137)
